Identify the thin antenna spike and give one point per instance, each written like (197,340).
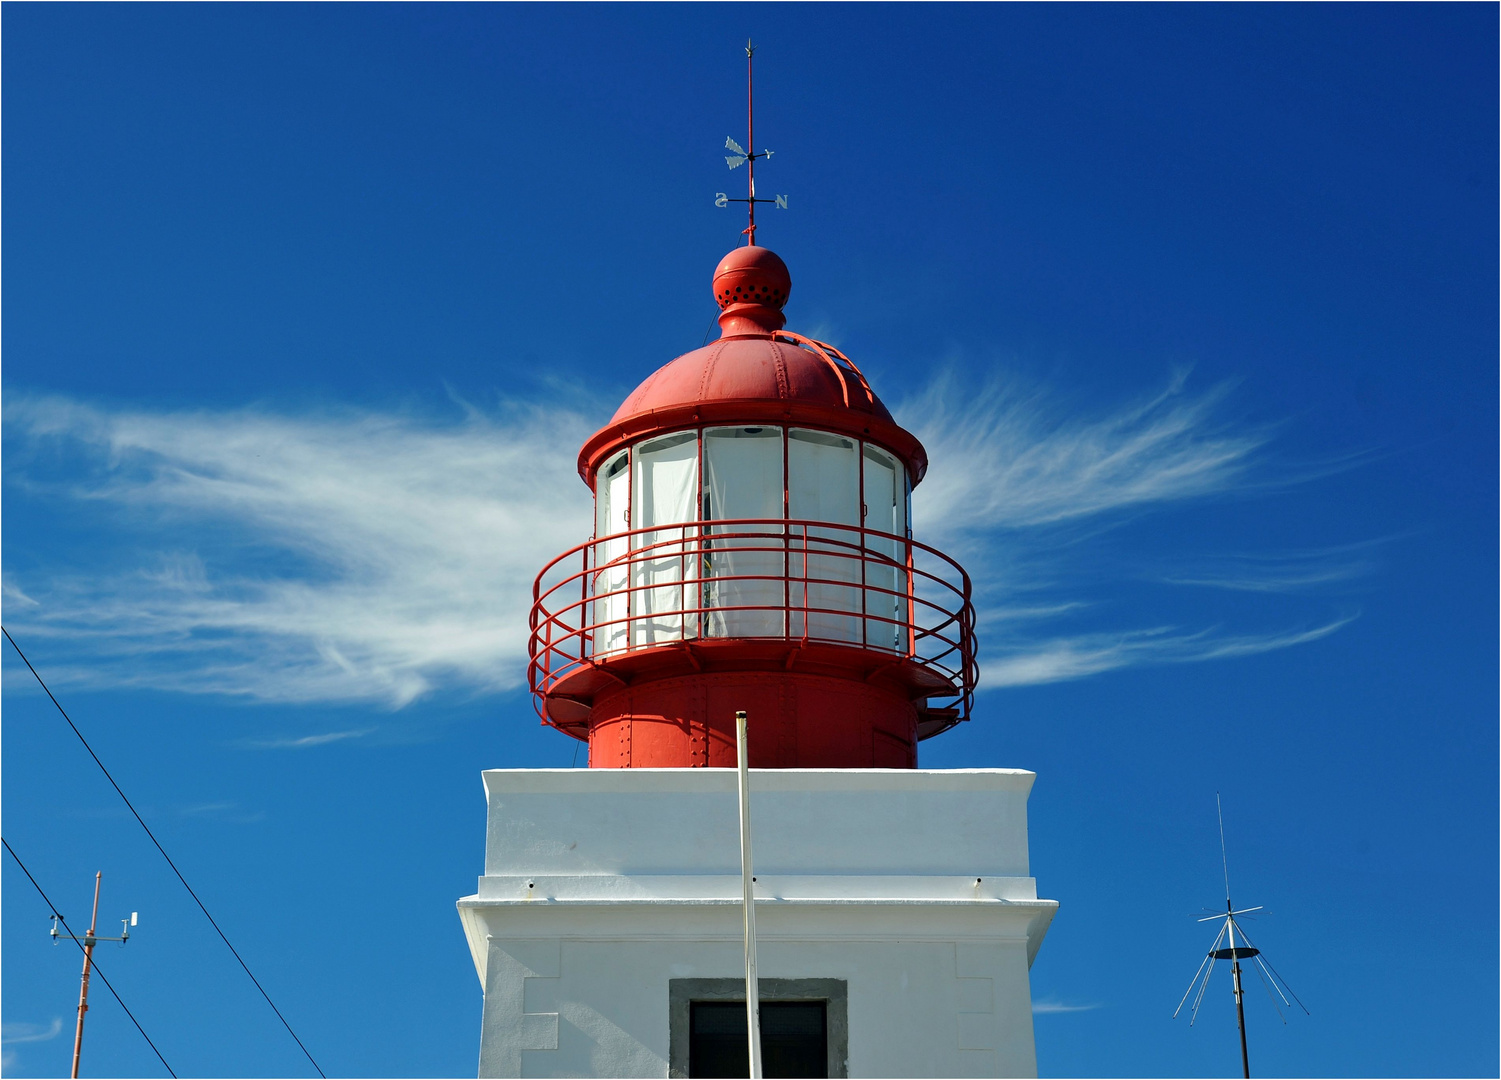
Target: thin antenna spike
(1191,984)
(1194,1013)
(1276,975)
(1280,994)
(1224,858)
(1268,986)
(1296,1000)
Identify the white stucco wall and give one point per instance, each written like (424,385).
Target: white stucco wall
(602,885)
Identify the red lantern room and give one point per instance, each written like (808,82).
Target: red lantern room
(753,549)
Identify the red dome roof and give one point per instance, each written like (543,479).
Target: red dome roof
(754,374)
(750,369)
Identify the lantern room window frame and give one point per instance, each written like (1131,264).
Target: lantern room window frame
(628,457)
(636,623)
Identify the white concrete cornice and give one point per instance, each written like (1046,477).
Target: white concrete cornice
(892,920)
(638,823)
(695,887)
(706,780)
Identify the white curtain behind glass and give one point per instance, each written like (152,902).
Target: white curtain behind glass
(743,479)
(664,493)
(823,484)
(611,576)
(885,571)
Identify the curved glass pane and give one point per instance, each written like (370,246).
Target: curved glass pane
(612,487)
(664,492)
(885,497)
(823,484)
(745,565)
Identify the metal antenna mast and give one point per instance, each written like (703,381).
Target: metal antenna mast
(89,940)
(1235,952)
(746,155)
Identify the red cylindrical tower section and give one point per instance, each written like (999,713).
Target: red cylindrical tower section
(801,720)
(753,551)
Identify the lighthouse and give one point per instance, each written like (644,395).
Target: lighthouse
(754,551)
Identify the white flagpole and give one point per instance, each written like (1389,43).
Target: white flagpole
(752,987)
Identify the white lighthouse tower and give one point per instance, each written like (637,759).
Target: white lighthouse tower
(753,566)
(753,550)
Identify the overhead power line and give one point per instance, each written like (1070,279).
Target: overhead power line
(94,963)
(129,805)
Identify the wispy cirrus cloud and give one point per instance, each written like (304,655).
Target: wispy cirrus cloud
(226,812)
(1279,572)
(1011,458)
(304,741)
(376,555)
(1019,485)
(338,556)
(1060,658)
(24,1033)
(1044,1006)
(12,1032)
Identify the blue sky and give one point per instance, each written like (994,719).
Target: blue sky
(307,310)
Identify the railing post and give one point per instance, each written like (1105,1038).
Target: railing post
(864,567)
(587,615)
(807,619)
(911,605)
(547,649)
(787,576)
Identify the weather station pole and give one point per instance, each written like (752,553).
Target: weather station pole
(87,943)
(88,964)
(747,888)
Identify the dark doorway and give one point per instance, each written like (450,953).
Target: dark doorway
(794,1039)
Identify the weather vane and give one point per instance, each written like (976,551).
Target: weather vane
(747,155)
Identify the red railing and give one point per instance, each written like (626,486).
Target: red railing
(754,579)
